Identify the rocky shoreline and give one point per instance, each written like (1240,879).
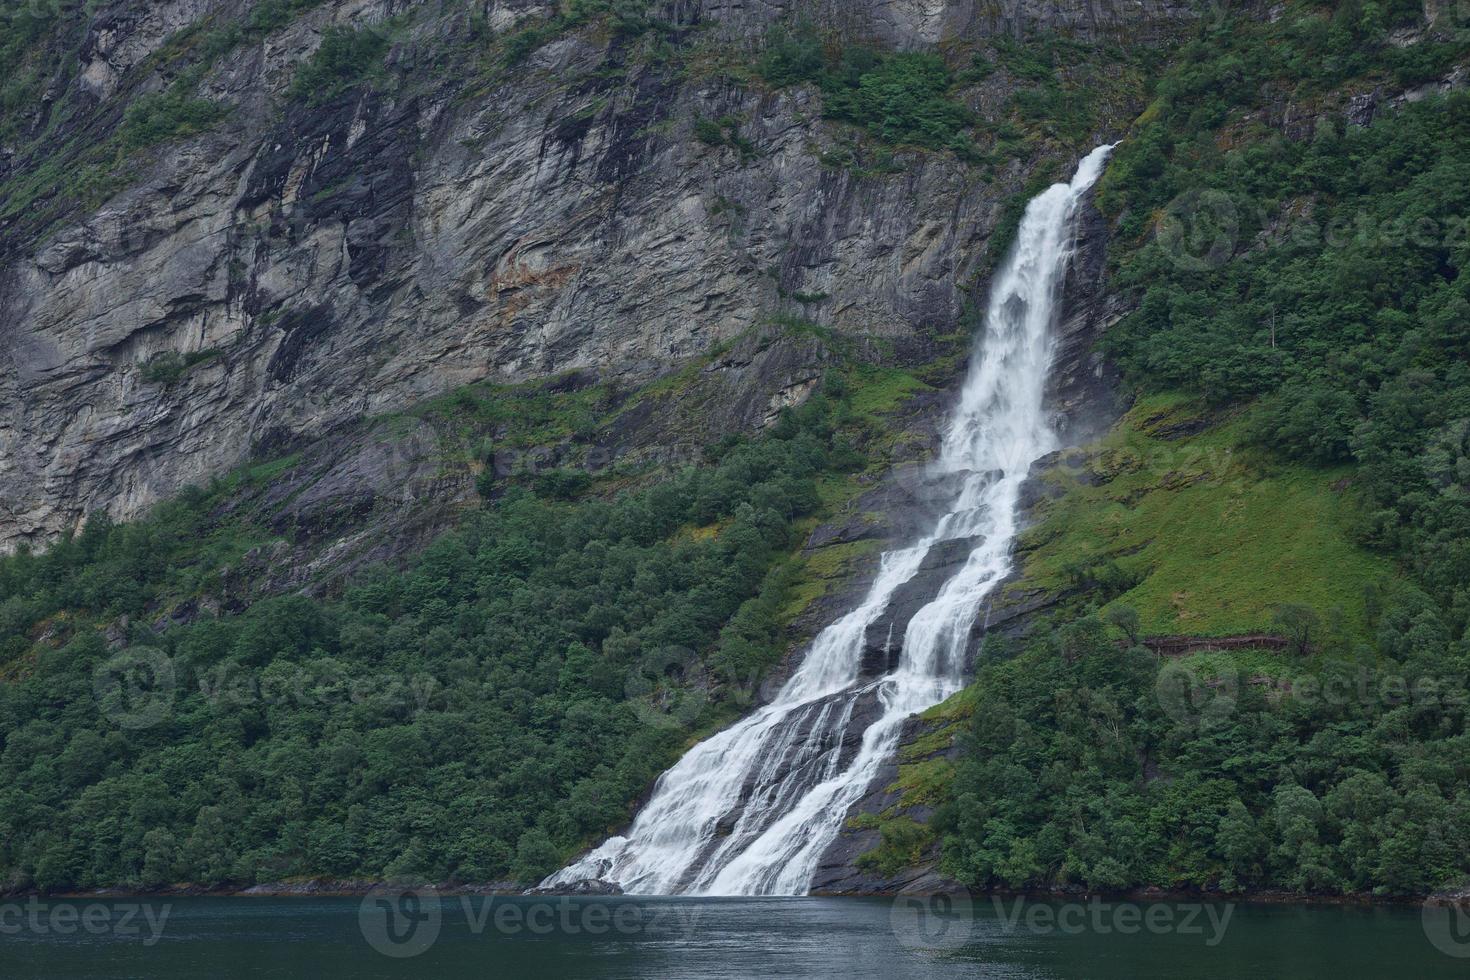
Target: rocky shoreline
(922,885)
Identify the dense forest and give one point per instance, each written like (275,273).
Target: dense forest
(471,717)
(1089,764)
(1317,284)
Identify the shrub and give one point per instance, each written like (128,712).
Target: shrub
(903,99)
(344,59)
(899,98)
(165,115)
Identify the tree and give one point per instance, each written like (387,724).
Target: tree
(1240,843)
(1299,624)
(207,857)
(536,856)
(1124,618)
(160,857)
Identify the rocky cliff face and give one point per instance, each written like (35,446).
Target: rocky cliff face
(302,265)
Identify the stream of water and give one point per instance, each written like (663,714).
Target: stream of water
(751,810)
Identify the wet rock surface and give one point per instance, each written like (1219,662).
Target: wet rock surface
(1084,397)
(583,886)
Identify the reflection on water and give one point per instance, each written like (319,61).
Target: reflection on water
(393,935)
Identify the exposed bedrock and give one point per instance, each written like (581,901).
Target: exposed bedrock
(299,267)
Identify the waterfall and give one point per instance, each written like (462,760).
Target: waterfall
(750,811)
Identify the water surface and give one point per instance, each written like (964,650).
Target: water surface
(716,938)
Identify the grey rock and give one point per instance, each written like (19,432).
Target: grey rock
(582,886)
(355,257)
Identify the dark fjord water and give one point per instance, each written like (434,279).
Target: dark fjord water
(713,938)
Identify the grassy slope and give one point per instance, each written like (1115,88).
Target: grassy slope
(1215,536)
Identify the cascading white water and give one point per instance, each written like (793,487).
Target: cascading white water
(750,810)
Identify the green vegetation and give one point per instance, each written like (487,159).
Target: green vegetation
(1061,90)
(84,174)
(1299,339)
(814,575)
(169,367)
(627,19)
(473,717)
(900,98)
(81,170)
(902,843)
(270,15)
(724,131)
(343,60)
(151,119)
(33,40)
(1089,764)
(1044,101)
(523,416)
(1200,535)
(1298,462)
(1346,319)
(37,41)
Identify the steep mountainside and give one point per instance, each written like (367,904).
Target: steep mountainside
(421,422)
(229,226)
